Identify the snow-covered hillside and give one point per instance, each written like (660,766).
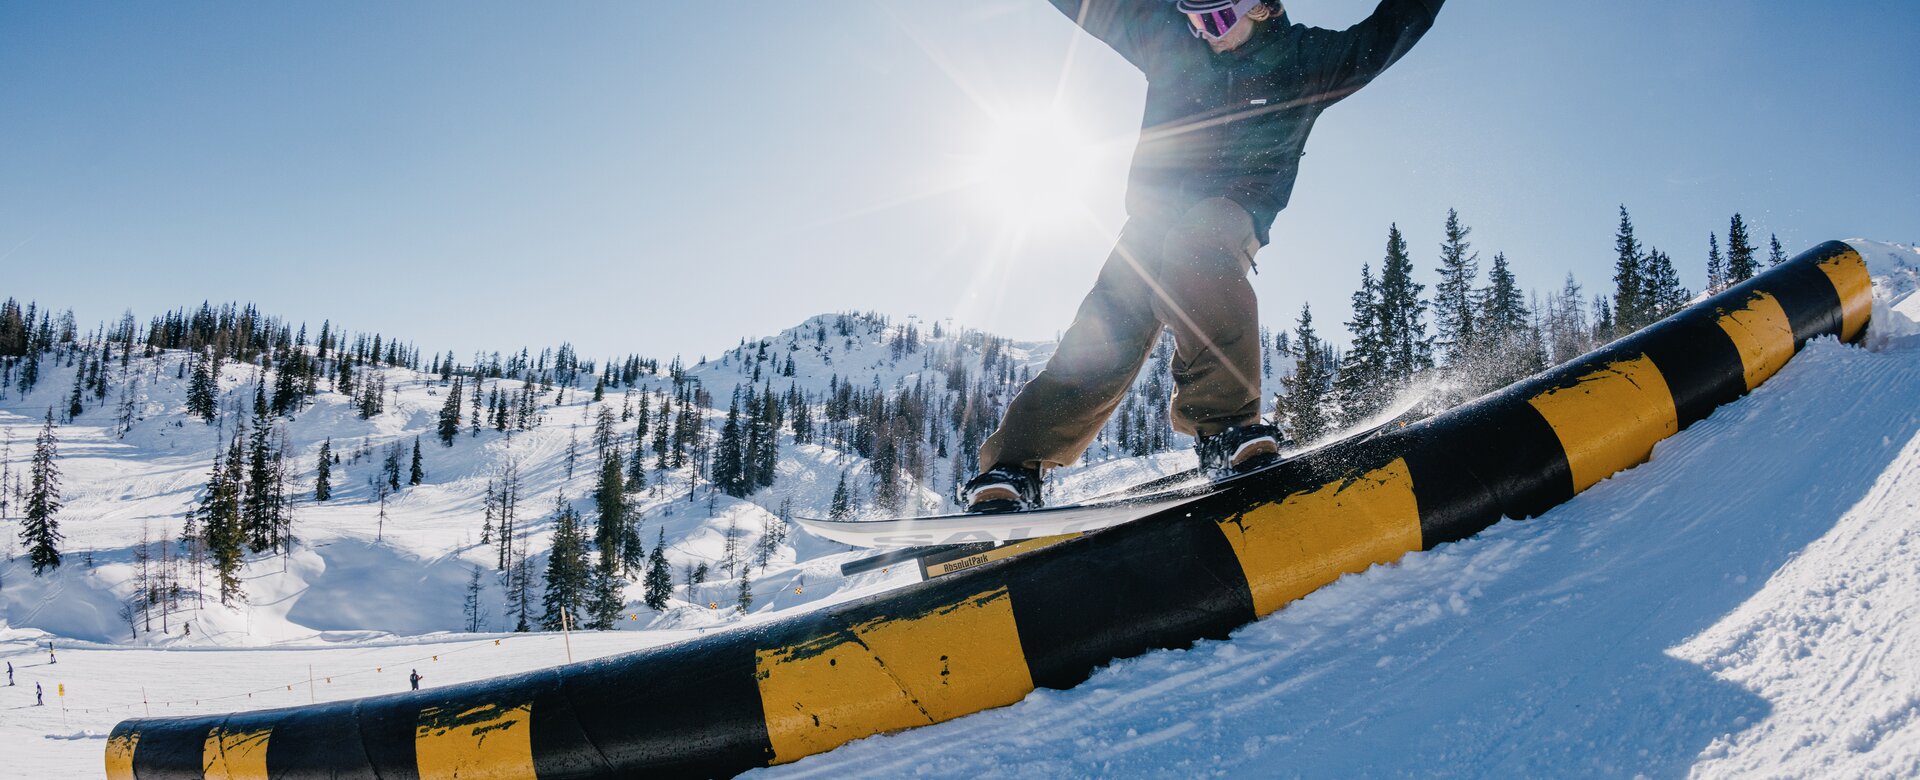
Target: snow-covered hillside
(1739,605)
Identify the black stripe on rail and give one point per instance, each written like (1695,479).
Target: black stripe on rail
(1084,603)
(690,710)
(1806,293)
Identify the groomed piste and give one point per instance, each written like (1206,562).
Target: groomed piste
(986,637)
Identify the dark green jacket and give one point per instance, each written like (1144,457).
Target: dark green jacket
(1235,124)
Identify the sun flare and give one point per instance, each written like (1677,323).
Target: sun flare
(1033,169)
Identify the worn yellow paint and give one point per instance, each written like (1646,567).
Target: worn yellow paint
(1610,419)
(892,673)
(1762,334)
(1294,546)
(488,742)
(1848,272)
(120,755)
(998,553)
(235,755)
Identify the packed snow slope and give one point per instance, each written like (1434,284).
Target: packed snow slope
(1741,604)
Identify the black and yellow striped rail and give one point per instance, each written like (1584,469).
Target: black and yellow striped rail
(985,637)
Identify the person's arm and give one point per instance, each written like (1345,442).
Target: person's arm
(1121,24)
(1348,59)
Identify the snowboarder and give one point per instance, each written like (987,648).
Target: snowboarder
(1233,88)
(414,679)
(9,674)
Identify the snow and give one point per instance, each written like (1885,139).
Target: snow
(1742,604)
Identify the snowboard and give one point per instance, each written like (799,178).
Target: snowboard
(937,532)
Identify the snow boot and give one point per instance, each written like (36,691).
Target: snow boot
(1003,488)
(1238,450)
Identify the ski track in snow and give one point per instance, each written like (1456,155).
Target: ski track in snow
(1742,604)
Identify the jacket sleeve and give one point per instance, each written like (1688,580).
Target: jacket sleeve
(1345,61)
(1121,24)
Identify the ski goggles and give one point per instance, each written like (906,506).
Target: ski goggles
(1212,20)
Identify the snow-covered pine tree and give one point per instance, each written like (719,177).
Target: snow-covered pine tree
(1358,387)
(1775,254)
(40,527)
(416,468)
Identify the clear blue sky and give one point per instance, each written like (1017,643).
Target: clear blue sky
(639,178)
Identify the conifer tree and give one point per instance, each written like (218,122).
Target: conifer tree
(1629,313)
(1357,388)
(1716,267)
(1740,250)
(1453,296)
(323,472)
(1403,329)
(472,604)
(1663,293)
(1775,255)
(764,450)
(1307,388)
(568,572)
(74,399)
(659,579)
(745,594)
(610,500)
(40,529)
(220,517)
(416,471)
(203,392)
(726,471)
(842,507)
(1507,323)
(450,414)
(259,514)
(609,595)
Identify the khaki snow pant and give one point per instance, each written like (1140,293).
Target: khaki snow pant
(1189,275)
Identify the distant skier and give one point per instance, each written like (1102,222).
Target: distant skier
(1233,88)
(39,697)
(414,679)
(50,657)
(9,674)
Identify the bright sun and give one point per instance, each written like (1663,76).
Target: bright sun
(1033,169)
